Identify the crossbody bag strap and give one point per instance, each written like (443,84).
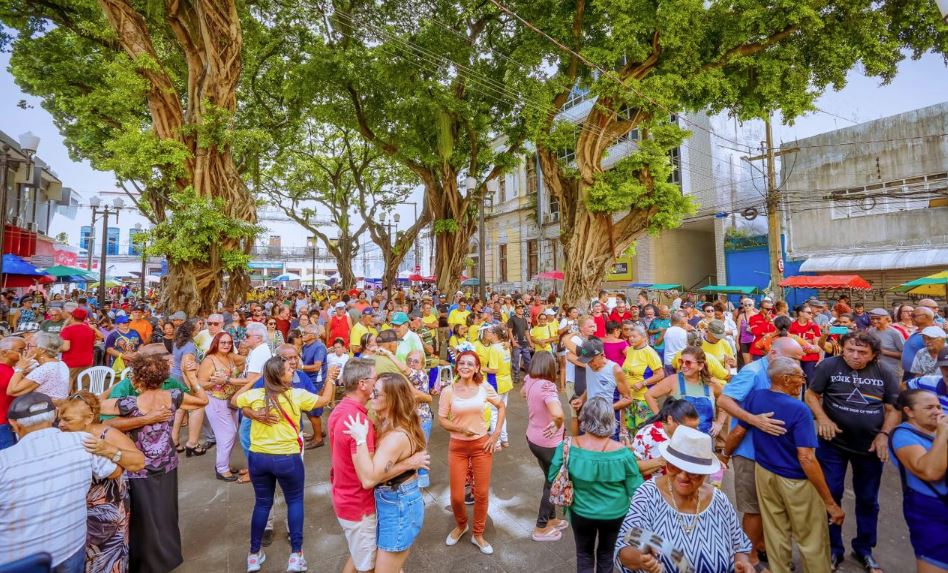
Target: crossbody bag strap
(299,438)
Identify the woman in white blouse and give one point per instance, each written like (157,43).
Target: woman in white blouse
(40,369)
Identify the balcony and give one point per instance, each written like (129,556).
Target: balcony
(289,253)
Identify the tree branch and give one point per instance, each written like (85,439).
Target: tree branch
(751,48)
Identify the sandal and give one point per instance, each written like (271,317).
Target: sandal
(552,535)
(179,448)
(243,478)
(868,563)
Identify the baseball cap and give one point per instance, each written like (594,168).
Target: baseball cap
(368,310)
(340,305)
(399,318)
(549,312)
(139,307)
(590,349)
(933,332)
(79,314)
(716,327)
(178,315)
(31,404)
(878,312)
(122,319)
(26,327)
(942,358)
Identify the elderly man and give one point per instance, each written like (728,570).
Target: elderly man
(385,358)
(202,340)
(10,349)
(313,363)
(936,383)
(676,338)
(177,318)
(55,322)
(78,344)
(923,317)
(926,359)
(750,378)
(853,400)
(408,341)
(793,494)
(891,342)
(44,479)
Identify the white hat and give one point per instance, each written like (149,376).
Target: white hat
(933,332)
(549,312)
(691,451)
(340,304)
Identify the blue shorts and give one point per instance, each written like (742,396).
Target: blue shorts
(401,513)
(317,412)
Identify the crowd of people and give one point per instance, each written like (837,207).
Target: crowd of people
(635,412)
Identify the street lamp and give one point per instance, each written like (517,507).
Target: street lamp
(141,245)
(313,269)
(104,211)
(29,143)
(471,184)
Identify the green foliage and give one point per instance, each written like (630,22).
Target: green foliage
(195,230)
(445,226)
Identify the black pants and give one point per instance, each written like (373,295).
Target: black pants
(590,557)
(547,510)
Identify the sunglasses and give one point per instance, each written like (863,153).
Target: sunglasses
(688,475)
(214,323)
(81,398)
(226,342)
(690,363)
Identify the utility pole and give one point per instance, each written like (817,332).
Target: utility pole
(91,241)
(774,221)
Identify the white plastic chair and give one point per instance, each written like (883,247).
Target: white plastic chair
(96,379)
(125,373)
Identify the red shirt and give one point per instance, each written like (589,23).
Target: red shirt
(759,327)
(283,326)
(809,332)
(349,499)
(616,317)
(339,328)
(6,372)
(600,325)
(81,339)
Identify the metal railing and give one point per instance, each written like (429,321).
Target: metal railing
(279,252)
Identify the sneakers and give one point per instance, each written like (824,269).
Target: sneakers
(255,561)
(296,563)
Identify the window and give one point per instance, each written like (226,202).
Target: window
(577,95)
(134,248)
(502,261)
(502,189)
(531,175)
(113,241)
(85,238)
(554,208)
(533,258)
(675,156)
(553,254)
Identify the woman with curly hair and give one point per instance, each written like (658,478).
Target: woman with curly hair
(107,501)
(154,537)
(398,502)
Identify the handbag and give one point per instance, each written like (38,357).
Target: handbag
(561,491)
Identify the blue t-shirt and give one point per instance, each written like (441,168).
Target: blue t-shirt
(934,383)
(906,437)
(178,354)
(313,353)
(911,347)
(752,377)
(778,454)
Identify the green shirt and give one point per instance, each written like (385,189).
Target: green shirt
(125,388)
(603,482)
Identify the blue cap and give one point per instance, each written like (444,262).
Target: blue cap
(368,310)
(121,319)
(399,318)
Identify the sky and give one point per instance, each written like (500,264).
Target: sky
(918,84)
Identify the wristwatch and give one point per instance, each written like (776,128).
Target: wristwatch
(117,456)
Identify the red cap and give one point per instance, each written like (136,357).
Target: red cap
(80,314)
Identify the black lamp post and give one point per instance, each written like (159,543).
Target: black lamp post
(104,211)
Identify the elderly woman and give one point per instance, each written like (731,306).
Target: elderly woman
(154,537)
(696,521)
(920,450)
(107,501)
(643,368)
(604,476)
(41,370)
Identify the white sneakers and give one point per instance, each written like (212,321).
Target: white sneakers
(255,561)
(296,563)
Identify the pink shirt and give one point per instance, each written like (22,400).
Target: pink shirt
(466,412)
(540,393)
(349,499)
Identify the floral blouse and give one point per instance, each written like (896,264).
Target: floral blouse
(419,379)
(645,444)
(154,440)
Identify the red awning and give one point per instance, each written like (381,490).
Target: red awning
(551,275)
(854,282)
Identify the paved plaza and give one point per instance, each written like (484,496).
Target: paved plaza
(215,518)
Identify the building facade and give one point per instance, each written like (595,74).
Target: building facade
(523,223)
(871,199)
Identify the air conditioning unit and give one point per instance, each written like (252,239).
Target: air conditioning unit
(18,221)
(32,227)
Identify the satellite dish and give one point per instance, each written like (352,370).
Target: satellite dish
(750,213)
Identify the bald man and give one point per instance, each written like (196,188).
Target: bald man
(752,377)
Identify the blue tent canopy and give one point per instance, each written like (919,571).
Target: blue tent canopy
(14,265)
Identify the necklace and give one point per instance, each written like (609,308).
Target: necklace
(691,523)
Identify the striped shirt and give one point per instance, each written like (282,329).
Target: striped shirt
(44,479)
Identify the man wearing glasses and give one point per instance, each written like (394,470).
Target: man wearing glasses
(215,323)
(760,325)
(923,317)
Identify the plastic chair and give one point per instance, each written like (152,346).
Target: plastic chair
(37,563)
(125,373)
(96,379)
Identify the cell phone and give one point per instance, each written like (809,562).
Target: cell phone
(839,330)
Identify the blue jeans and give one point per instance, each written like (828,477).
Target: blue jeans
(7,436)
(519,360)
(74,564)
(401,513)
(424,479)
(867,477)
(243,434)
(265,471)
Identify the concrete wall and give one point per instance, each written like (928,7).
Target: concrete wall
(904,146)
(683,256)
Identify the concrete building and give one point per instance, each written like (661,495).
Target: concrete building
(871,199)
(522,222)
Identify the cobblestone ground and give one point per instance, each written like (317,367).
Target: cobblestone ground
(215,518)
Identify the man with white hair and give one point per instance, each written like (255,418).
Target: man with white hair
(47,475)
(923,317)
(313,357)
(215,324)
(259,353)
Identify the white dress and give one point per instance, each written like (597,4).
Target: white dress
(710,547)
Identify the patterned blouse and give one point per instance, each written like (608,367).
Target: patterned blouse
(108,507)
(645,445)
(419,379)
(154,440)
(709,548)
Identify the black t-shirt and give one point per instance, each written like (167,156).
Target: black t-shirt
(855,401)
(519,327)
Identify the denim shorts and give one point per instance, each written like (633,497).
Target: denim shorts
(401,513)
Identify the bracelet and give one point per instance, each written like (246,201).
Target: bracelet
(886,434)
(360,443)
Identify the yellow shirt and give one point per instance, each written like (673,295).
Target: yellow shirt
(458,317)
(541,333)
(498,358)
(281,437)
(430,320)
(474,331)
(358,331)
(385,326)
(719,349)
(481,350)
(640,364)
(715,367)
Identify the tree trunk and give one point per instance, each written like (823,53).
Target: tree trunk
(344,265)
(446,203)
